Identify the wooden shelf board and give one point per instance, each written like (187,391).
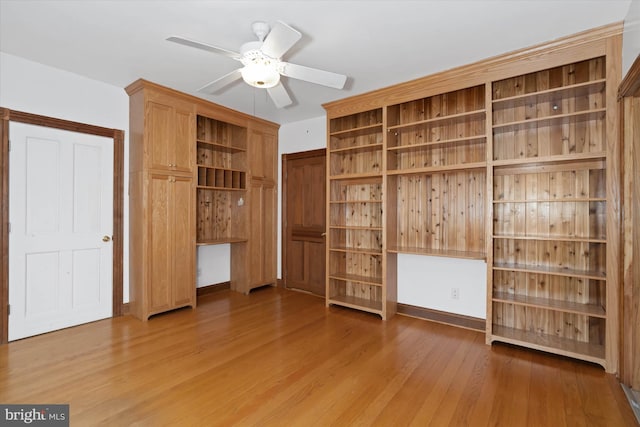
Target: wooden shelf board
(375,281)
(469,115)
(554,271)
(553,238)
(592,310)
(357,303)
(221,241)
(356,250)
(552,344)
(468,139)
(437,252)
(567,158)
(221,147)
(355,227)
(356,176)
(543,96)
(206,187)
(221,169)
(574,200)
(359,131)
(359,148)
(436,169)
(346,202)
(558,119)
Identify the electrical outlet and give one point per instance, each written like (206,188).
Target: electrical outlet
(199,272)
(455,293)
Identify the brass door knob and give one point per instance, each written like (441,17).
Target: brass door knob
(106,238)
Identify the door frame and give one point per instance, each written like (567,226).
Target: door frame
(117,135)
(284,226)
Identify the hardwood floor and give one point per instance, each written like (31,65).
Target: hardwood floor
(279,357)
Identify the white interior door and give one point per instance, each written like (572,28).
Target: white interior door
(60,210)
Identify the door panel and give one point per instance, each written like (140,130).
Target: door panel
(183,145)
(159,244)
(61,195)
(269,226)
(305,221)
(160,133)
(183,259)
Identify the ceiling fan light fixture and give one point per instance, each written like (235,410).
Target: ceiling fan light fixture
(260,75)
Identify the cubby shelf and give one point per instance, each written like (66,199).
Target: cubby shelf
(220,147)
(423,145)
(554,271)
(356,250)
(592,310)
(546,200)
(369,280)
(358,148)
(358,131)
(448,119)
(356,176)
(560,119)
(436,169)
(437,252)
(559,238)
(555,94)
(562,158)
(590,352)
(362,304)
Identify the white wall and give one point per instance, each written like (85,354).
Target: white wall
(631,36)
(35,88)
(422,281)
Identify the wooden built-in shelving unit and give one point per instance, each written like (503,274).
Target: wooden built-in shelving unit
(513,160)
(549,275)
(221,182)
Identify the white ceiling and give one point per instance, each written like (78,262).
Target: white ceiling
(375,43)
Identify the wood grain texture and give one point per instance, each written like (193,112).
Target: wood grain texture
(280,357)
(630,297)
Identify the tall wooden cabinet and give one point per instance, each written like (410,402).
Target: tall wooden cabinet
(514,160)
(200,174)
(162,214)
(260,261)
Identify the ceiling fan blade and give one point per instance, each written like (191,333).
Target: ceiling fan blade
(204,46)
(279,95)
(223,81)
(280,39)
(313,75)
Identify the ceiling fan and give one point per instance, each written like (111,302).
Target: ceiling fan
(263,65)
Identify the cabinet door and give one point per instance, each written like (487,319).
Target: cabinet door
(262,247)
(184,285)
(183,153)
(256,235)
(170,137)
(159,138)
(269,233)
(160,246)
(263,151)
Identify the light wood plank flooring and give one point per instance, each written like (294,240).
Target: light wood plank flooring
(280,357)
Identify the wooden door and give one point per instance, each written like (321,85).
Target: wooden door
(184,286)
(61,219)
(171,132)
(304,224)
(159,295)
